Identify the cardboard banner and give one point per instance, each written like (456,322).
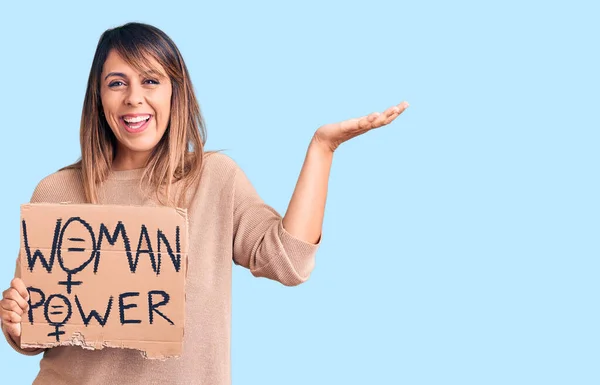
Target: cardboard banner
(104,276)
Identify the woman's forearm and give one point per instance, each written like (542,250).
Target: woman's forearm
(304,216)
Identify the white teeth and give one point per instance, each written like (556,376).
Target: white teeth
(137,119)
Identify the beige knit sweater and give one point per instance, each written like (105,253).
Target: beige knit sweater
(227,221)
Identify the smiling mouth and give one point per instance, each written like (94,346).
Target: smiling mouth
(135,124)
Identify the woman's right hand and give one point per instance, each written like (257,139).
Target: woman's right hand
(13,307)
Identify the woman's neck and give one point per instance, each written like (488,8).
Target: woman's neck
(129,160)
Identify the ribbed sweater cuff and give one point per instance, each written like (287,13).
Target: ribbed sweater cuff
(300,253)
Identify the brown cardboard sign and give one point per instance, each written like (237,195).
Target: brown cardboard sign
(104,276)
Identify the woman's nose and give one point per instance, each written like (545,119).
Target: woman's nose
(134,96)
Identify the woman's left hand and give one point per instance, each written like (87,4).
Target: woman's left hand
(334,134)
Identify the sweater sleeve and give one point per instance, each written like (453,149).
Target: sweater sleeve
(262,244)
(11,342)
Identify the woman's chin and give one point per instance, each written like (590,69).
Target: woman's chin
(141,144)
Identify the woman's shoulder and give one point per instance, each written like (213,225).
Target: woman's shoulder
(218,163)
(61,185)
(63,175)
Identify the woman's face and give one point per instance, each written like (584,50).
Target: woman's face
(137,108)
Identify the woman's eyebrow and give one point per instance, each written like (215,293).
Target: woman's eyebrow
(115,74)
(152,72)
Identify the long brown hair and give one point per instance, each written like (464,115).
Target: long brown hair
(179,154)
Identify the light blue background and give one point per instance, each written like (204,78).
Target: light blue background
(460,243)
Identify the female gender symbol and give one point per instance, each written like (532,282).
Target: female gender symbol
(69,282)
(57,310)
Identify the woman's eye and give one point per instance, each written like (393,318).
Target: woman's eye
(116,83)
(151,81)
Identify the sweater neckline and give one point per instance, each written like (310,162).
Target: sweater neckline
(131,174)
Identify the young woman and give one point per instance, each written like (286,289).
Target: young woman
(142,142)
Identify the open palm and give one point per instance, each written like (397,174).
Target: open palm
(334,134)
